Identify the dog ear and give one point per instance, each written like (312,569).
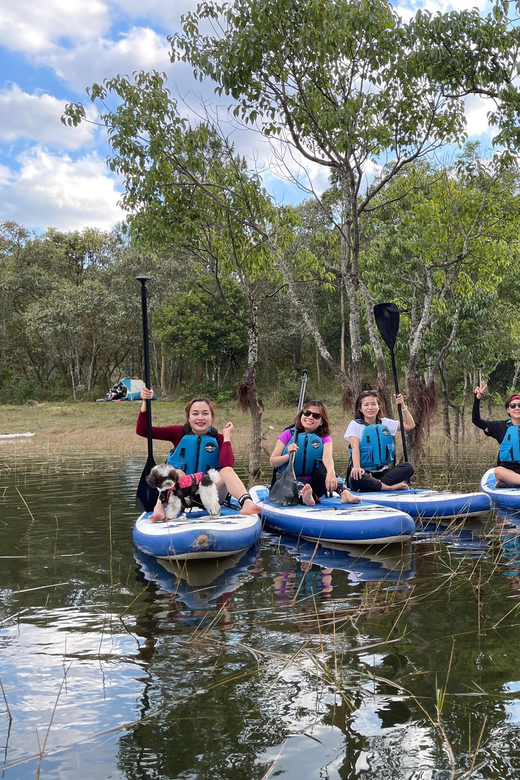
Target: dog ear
(172,473)
(154,478)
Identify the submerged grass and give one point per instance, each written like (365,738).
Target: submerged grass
(375,617)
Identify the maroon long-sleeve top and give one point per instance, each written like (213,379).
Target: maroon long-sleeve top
(174,433)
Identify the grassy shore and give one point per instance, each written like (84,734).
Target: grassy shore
(110,428)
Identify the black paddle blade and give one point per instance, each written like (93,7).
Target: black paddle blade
(387,320)
(146,496)
(285,490)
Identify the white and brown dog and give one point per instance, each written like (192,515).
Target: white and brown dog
(177,491)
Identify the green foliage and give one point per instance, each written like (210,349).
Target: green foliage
(195,325)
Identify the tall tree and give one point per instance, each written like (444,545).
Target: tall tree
(331,80)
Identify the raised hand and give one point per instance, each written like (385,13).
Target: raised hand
(480,390)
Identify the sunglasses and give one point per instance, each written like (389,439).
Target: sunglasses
(314,415)
(514,406)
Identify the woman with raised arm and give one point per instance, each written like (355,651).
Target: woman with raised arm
(198,446)
(506,433)
(372,449)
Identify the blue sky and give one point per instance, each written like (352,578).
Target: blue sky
(55,176)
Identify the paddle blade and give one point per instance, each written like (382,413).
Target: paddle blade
(284,492)
(146,496)
(387,320)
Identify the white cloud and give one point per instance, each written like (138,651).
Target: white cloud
(37,117)
(34,27)
(408,9)
(55,191)
(162,11)
(5,175)
(476,115)
(99,58)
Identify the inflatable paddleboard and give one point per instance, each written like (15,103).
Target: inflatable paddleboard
(423,503)
(197,535)
(25,435)
(508,498)
(332,521)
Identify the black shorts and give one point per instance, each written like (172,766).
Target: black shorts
(511,466)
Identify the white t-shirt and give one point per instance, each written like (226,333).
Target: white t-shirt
(356,429)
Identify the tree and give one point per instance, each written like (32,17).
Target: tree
(347,84)
(451,240)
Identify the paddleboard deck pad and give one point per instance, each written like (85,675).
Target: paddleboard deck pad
(332,521)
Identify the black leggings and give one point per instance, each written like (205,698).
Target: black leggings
(317,482)
(370,482)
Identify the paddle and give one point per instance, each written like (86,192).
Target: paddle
(146,496)
(284,492)
(387,321)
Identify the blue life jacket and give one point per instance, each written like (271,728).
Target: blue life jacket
(195,453)
(376,447)
(309,455)
(509,451)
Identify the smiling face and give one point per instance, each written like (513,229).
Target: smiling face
(513,410)
(309,421)
(200,417)
(369,407)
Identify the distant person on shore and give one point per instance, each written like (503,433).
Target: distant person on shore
(372,449)
(506,433)
(313,463)
(198,446)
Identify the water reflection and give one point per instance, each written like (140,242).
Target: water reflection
(298,661)
(203,584)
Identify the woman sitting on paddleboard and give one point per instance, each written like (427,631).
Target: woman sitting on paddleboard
(197,446)
(372,448)
(313,463)
(507,434)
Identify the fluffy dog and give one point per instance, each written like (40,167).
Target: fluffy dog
(177,491)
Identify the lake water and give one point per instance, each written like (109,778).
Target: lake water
(400,663)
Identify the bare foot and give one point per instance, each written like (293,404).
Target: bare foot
(397,486)
(348,498)
(250,508)
(306,495)
(157,516)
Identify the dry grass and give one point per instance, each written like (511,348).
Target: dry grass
(110,428)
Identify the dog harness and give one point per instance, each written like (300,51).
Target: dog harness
(195,453)
(186,488)
(308,456)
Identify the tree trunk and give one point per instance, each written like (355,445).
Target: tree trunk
(342,339)
(307,320)
(162,381)
(382,377)
(445,402)
(248,400)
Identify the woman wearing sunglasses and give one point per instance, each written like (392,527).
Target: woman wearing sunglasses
(313,463)
(197,446)
(506,433)
(372,448)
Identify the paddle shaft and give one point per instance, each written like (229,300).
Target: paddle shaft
(386,316)
(300,407)
(146,355)
(284,491)
(399,410)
